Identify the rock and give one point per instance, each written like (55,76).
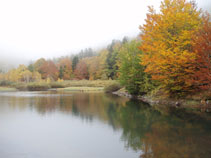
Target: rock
(208,110)
(208,102)
(203,110)
(177,104)
(203,102)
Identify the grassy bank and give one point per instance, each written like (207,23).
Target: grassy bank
(7,89)
(197,103)
(87,83)
(83,89)
(72,85)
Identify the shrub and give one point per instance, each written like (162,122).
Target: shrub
(88,83)
(5,83)
(21,87)
(112,88)
(37,87)
(57,85)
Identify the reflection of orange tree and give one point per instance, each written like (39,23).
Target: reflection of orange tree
(167,141)
(160,136)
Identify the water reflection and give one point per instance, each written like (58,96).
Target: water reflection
(143,129)
(160,136)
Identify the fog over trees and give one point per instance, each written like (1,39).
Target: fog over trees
(20,44)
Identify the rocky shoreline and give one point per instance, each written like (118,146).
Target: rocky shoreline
(196,105)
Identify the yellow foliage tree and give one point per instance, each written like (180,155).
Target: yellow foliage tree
(36,76)
(167,43)
(97,65)
(65,68)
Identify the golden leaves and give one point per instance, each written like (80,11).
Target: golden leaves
(167,42)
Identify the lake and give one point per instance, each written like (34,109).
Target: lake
(96,125)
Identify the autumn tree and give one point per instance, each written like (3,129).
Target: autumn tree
(93,67)
(81,70)
(201,78)
(168,46)
(11,75)
(36,76)
(37,65)
(97,66)
(65,68)
(49,70)
(25,76)
(22,74)
(102,64)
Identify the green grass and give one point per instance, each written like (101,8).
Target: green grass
(82,89)
(71,85)
(7,89)
(5,83)
(38,86)
(87,83)
(113,87)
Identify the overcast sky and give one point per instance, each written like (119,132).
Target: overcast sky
(30,29)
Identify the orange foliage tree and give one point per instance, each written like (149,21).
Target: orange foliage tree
(49,70)
(201,78)
(93,67)
(168,46)
(65,69)
(38,64)
(96,66)
(81,71)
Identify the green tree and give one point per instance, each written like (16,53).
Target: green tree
(61,75)
(75,62)
(111,60)
(31,67)
(132,74)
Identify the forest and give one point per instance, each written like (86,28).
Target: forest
(171,55)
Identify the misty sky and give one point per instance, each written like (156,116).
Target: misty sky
(31,29)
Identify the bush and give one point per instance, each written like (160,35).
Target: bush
(37,87)
(113,88)
(5,83)
(57,85)
(88,83)
(21,86)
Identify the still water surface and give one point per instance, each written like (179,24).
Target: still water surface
(95,125)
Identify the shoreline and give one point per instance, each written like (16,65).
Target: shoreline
(70,89)
(202,106)
(198,104)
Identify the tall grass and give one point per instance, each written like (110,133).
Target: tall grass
(112,87)
(5,83)
(88,83)
(42,86)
